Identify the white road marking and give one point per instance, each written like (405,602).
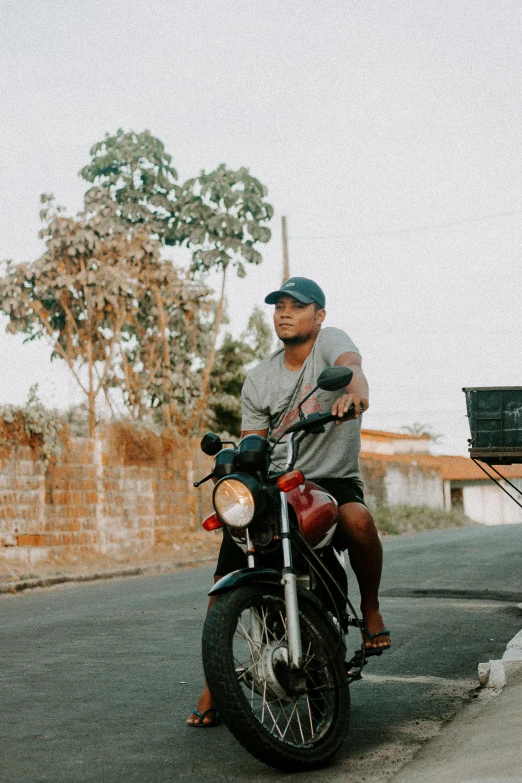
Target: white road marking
(424,679)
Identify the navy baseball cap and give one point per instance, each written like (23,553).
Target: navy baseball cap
(300,288)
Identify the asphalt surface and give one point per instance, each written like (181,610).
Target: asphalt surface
(98,678)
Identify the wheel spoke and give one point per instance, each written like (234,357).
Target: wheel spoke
(290,718)
(245,669)
(283,717)
(299,722)
(252,694)
(246,635)
(274,724)
(264,704)
(261,633)
(310,715)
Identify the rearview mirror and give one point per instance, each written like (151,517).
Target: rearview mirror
(334,378)
(211,444)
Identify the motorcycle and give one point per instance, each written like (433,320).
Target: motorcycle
(274,641)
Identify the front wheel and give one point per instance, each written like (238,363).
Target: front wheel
(287,719)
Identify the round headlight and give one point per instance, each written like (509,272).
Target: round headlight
(234,502)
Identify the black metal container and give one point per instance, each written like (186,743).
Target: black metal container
(495,421)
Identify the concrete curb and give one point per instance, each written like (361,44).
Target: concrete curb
(494,675)
(48,581)
(481,744)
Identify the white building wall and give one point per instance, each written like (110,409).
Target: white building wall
(411,446)
(394,446)
(486,503)
(410,486)
(376,446)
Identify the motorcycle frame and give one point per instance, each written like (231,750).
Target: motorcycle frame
(287,578)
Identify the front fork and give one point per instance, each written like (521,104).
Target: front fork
(290,588)
(256,629)
(289,581)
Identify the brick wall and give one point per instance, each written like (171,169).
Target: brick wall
(95,502)
(125,494)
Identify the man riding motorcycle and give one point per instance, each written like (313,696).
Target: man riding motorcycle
(270,398)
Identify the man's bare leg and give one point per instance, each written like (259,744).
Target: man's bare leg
(205,702)
(365,552)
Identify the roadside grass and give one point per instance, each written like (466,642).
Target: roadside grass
(396,520)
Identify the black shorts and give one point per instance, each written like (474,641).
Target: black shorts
(344,490)
(232,558)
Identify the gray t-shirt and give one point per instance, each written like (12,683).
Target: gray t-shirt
(270,397)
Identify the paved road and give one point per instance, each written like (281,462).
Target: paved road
(97,679)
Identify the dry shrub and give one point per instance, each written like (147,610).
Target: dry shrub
(137,445)
(396,520)
(41,429)
(13,433)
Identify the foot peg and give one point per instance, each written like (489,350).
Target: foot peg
(354,667)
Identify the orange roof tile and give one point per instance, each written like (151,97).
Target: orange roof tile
(464,469)
(451,468)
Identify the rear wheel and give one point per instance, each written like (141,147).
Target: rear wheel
(290,720)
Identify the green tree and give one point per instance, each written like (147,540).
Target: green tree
(134,181)
(221,216)
(121,315)
(162,343)
(73,292)
(229,371)
(107,304)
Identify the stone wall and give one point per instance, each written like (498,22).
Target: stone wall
(99,498)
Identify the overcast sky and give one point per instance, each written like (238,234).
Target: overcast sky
(388,132)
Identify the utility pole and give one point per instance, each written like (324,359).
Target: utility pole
(286,262)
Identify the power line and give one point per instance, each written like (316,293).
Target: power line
(413,230)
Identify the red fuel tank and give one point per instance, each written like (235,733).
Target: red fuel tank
(315,509)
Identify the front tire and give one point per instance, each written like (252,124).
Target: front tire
(288,724)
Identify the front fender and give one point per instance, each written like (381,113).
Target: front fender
(246,576)
(268,576)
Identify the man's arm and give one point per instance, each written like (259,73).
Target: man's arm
(251,412)
(263,433)
(356,393)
